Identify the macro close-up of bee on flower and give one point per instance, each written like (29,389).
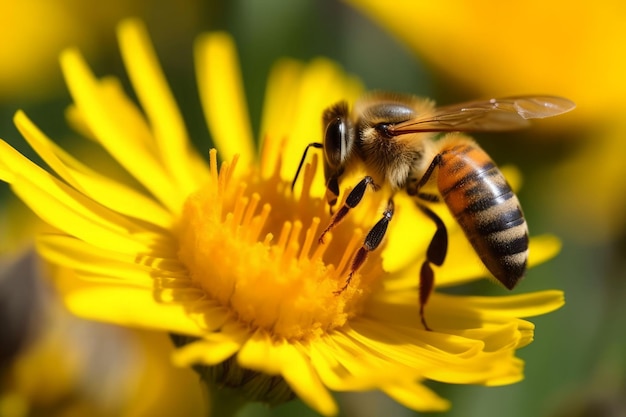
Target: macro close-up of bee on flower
(226,214)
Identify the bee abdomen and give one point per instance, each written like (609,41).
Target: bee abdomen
(487,210)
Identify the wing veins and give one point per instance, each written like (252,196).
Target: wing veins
(489,115)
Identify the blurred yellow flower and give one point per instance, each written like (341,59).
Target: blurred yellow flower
(226,255)
(559,47)
(55,364)
(572,49)
(38,31)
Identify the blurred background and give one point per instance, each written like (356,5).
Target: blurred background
(573,168)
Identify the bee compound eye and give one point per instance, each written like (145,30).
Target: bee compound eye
(335,138)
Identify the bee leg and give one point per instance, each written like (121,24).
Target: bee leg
(431,198)
(315,145)
(332,192)
(371,242)
(413,187)
(435,254)
(352,200)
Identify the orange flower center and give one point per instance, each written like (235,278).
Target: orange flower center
(253,246)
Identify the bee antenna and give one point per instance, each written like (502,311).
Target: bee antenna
(316,145)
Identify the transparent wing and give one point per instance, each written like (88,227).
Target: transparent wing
(497,114)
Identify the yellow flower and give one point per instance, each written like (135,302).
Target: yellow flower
(56,364)
(39,30)
(74,367)
(226,256)
(559,47)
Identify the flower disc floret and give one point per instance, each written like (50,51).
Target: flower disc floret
(267,266)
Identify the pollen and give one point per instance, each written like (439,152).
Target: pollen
(253,246)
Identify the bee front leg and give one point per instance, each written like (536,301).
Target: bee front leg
(315,145)
(371,242)
(435,255)
(351,202)
(332,193)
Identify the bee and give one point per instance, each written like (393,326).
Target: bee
(392,137)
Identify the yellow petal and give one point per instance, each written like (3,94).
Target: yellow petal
(104,111)
(412,348)
(258,353)
(100,264)
(262,354)
(223,100)
(209,314)
(322,83)
(463,312)
(66,209)
(279,110)
(345,365)
(495,336)
(213,348)
(304,382)
(416,397)
(402,244)
(384,354)
(520,305)
(332,372)
(101,189)
(172,140)
(125,306)
(510,374)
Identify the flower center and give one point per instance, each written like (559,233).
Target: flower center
(253,247)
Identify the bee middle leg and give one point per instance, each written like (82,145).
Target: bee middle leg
(371,242)
(435,255)
(351,202)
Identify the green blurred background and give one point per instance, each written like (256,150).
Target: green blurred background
(573,169)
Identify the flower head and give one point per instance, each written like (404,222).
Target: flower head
(228,256)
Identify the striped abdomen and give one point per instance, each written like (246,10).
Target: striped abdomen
(488,211)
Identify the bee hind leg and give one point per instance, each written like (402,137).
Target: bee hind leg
(431,198)
(435,255)
(371,242)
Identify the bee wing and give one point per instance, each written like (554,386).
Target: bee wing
(497,114)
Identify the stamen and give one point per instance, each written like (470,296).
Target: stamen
(254,201)
(239,196)
(258,223)
(290,253)
(307,181)
(321,248)
(241,188)
(279,161)
(287,263)
(213,164)
(293,245)
(240,206)
(250,236)
(348,253)
(222,183)
(228,221)
(308,239)
(282,240)
(231,168)
(267,156)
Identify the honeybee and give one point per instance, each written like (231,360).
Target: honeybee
(392,137)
